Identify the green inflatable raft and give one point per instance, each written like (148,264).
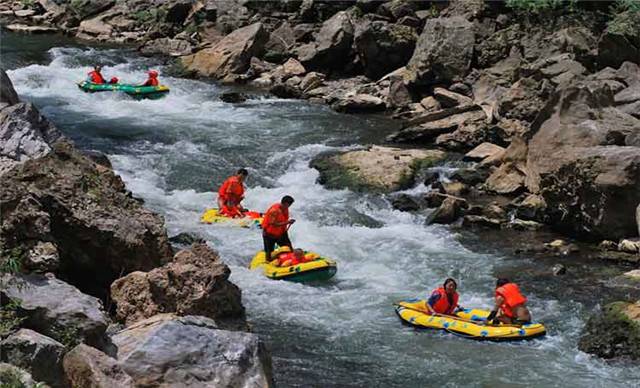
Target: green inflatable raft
(137,92)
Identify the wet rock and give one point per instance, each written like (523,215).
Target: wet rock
(41,356)
(471,220)
(589,185)
(561,247)
(430,177)
(311,81)
(85,366)
(383,47)
(633,274)
(8,95)
(506,180)
(377,168)
(405,203)
(629,246)
(98,158)
(494,211)
(559,269)
(167,46)
(194,282)
(43,257)
(233,97)
(359,103)
(284,90)
(619,257)
(455,189)
(608,245)
(15,27)
(519,224)
(434,198)
(470,176)
(185,240)
(332,46)
(231,55)
(449,210)
(166,350)
(56,309)
(483,151)
(614,332)
(443,52)
(531,208)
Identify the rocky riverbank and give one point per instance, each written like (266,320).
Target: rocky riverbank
(542,102)
(91,291)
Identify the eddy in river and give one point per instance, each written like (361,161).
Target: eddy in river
(231,193)
(444,300)
(275,225)
(96,77)
(510,303)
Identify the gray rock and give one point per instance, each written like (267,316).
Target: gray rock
(85,8)
(613,332)
(165,350)
(443,52)
(281,41)
(332,46)
(39,355)
(167,46)
(405,203)
(43,257)
(56,309)
(559,269)
(8,95)
(359,103)
(471,220)
(449,210)
(85,366)
(13,376)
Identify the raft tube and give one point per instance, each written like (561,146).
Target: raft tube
(411,312)
(320,269)
(137,92)
(252,219)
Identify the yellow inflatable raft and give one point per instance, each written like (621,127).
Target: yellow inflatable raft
(319,269)
(252,219)
(464,324)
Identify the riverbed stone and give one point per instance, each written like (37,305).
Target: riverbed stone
(38,354)
(376,168)
(614,332)
(166,350)
(85,366)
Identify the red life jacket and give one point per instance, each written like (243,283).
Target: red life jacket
(231,190)
(512,298)
(151,82)
(97,78)
(231,211)
(282,258)
(281,215)
(442,306)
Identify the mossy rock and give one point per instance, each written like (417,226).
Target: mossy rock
(376,169)
(613,333)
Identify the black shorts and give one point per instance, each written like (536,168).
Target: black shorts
(270,242)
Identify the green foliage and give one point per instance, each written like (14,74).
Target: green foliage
(28,3)
(11,378)
(625,17)
(11,262)
(9,319)
(537,6)
(67,335)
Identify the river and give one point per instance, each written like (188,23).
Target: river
(173,152)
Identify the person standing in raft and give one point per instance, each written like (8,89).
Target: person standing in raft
(275,225)
(510,305)
(231,193)
(152,80)
(444,300)
(96,77)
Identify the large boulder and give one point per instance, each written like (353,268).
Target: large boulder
(231,55)
(56,309)
(580,162)
(8,95)
(84,209)
(39,355)
(614,332)
(444,51)
(82,9)
(378,168)
(281,41)
(195,282)
(85,366)
(167,46)
(191,351)
(332,46)
(383,47)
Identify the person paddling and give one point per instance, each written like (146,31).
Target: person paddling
(444,300)
(510,304)
(231,193)
(96,77)
(152,80)
(275,225)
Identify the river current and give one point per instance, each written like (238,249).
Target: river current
(174,152)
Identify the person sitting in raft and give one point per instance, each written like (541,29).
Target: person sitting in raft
(444,300)
(296,257)
(231,193)
(96,77)
(510,305)
(152,80)
(275,224)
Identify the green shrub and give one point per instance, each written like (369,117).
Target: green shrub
(625,18)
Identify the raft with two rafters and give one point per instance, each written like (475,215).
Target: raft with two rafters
(468,323)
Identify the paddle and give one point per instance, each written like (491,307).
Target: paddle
(483,323)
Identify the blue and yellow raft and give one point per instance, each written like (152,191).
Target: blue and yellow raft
(319,269)
(468,323)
